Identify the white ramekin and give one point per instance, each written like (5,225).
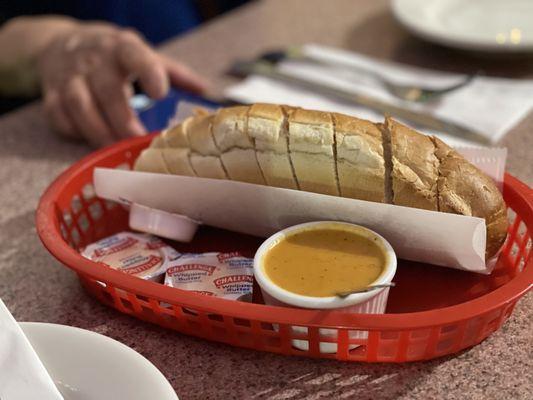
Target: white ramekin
(161,223)
(372,302)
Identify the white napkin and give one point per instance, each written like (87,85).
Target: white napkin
(490,106)
(22,374)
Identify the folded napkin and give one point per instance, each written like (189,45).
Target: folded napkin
(22,374)
(490,106)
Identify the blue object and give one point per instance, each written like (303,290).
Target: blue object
(155,114)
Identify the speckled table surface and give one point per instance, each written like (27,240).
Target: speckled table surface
(36,288)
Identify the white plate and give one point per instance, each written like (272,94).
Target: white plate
(484,25)
(87,366)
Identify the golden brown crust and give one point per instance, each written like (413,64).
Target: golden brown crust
(268,129)
(200,136)
(310,117)
(151,160)
(311,147)
(266,111)
(464,189)
(158,142)
(414,167)
(176,136)
(360,162)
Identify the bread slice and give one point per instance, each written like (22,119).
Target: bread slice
(236,147)
(177,161)
(360,162)
(311,145)
(268,128)
(465,190)
(158,142)
(205,156)
(414,166)
(151,160)
(176,136)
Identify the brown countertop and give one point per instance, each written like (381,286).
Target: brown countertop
(37,288)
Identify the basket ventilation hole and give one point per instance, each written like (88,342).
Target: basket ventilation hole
(444,345)
(299,330)
(511,215)
(521,264)
(215,317)
(83,222)
(75,204)
(267,326)
(242,322)
(75,236)
(63,231)
(357,334)
(390,335)
(95,210)
(67,218)
(87,192)
(522,229)
(420,334)
(110,204)
(448,329)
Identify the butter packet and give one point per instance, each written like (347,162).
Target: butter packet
(226,275)
(142,255)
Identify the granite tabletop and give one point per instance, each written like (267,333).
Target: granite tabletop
(37,288)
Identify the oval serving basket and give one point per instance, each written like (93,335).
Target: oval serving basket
(431,312)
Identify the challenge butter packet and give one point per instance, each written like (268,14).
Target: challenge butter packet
(142,255)
(226,275)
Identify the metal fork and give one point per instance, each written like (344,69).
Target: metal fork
(418,94)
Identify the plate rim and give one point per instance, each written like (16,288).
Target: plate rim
(67,328)
(425,32)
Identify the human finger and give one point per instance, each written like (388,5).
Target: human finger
(111,92)
(57,115)
(84,113)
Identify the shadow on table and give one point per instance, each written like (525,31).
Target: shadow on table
(335,380)
(382,37)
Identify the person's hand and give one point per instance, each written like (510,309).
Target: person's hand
(86,77)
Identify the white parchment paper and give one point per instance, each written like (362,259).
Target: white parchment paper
(427,236)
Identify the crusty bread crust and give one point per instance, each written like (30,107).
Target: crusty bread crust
(177,161)
(176,136)
(360,163)
(464,189)
(311,142)
(151,160)
(230,132)
(414,167)
(267,127)
(205,156)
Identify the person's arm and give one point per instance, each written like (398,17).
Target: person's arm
(85,71)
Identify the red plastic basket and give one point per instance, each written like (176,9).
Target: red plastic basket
(431,312)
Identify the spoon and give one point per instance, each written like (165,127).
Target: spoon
(345,294)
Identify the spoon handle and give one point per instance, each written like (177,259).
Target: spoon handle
(364,290)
